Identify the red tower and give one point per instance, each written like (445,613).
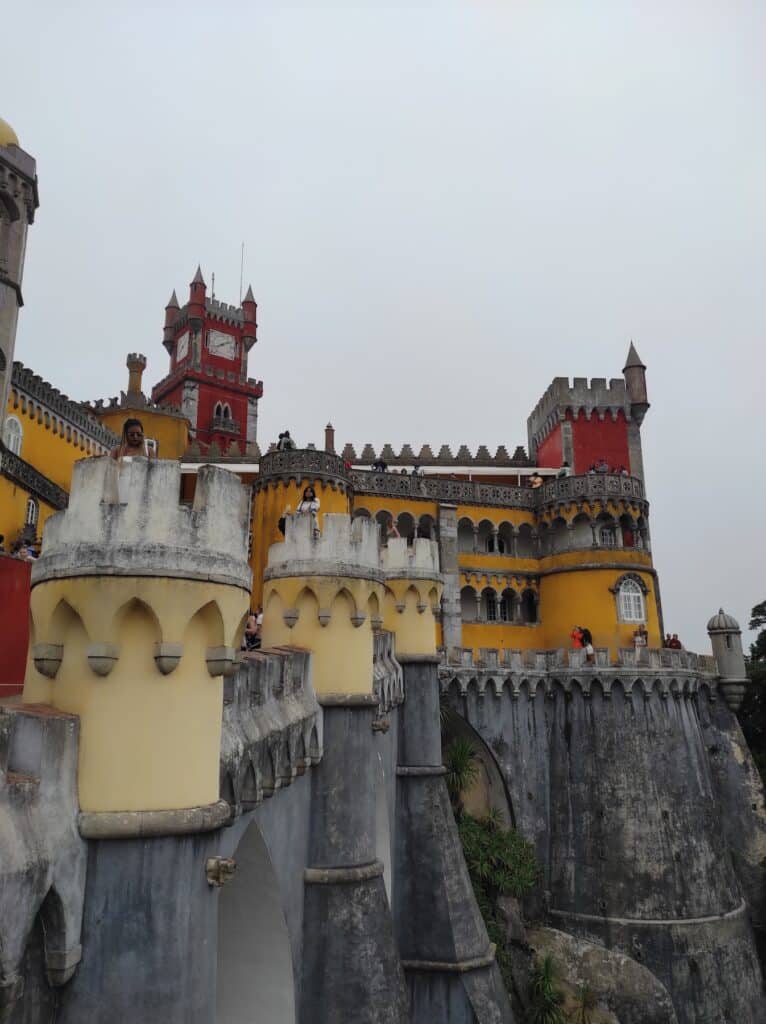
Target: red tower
(208,342)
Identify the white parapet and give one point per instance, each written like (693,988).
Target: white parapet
(127,520)
(419,560)
(345,547)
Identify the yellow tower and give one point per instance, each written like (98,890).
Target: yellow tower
(325,592)
(137,605)
(282,478)
(413,594)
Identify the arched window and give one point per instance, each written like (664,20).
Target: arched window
(218,411)
(13,434)
(630,600)
(226,411)
(606,537)
(33,511)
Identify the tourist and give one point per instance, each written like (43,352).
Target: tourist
(390,529)
(310,503)
(640,638)
(675,644)
(592,469)
(133,444)
(536,481)
(587,643)
(566,470)
(622,471)
(416,470)
(253,627)
(666,640)
(576,637)
(602,466)
(285,442)
(379,466)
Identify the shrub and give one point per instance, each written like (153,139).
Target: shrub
(546,994)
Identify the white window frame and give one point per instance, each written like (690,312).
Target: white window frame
(607,538)
(631,602)
(13,443)
(32,513)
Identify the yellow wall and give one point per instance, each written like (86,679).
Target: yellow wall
(148,741)
(49,452)
(477,513)
(503,635)
(170,432)
(373,503)
(13,511)
(408,611)
(584,598)
(269,506)
(342,661)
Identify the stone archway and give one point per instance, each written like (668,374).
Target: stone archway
(255,981)
(489,791)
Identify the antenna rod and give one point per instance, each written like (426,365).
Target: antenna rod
(213,286)
(241,271)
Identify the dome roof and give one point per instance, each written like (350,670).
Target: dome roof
(723,622)
(8,136)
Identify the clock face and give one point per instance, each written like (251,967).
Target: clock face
(182,347)
(220,344)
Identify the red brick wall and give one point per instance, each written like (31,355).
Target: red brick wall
(14,601)
(549,452)
(595,439)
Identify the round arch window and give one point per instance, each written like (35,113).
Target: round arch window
(13,435)
(631,604)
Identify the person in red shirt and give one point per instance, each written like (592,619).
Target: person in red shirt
(576,636)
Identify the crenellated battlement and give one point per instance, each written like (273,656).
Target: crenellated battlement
(594,397)
(345,547)
(445,457)
(418,560)
(126,519)
(272,726)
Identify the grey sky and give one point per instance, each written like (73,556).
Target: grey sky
(443,205)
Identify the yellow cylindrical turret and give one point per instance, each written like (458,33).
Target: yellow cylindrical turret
(137,606)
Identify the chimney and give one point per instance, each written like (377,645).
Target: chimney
(136,364)
(329,438)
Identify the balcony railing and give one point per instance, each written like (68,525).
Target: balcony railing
(476,492)
(225,424)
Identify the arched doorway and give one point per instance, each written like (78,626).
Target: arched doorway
(489,791)
(255,983)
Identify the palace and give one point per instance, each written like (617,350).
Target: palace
(191,833)
(522,564)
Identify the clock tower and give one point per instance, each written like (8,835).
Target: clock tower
(208,342)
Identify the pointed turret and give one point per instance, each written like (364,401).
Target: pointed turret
(634,372)
(250,311)
(171,312)
(197,293)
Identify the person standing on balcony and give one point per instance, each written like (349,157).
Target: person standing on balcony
(576,637)
(310,503)
(566,469)
(587,643)
(133,443)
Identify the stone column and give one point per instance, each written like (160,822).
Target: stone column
(452,619)
(446,954)
(322,593)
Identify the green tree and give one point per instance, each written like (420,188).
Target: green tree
(752,714)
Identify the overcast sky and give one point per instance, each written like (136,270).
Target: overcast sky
(444,205)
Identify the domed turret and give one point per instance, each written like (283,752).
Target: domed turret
(726,638)
(8,136)
(723,623)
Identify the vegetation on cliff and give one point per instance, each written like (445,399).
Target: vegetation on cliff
(752,714)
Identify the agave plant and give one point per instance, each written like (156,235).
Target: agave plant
(546,994)
(586,1003)
(462,764)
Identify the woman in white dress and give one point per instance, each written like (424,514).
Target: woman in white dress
(132,444)
(310,503)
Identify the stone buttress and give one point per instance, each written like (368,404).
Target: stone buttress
(326,593)
(447,957)
(136,604)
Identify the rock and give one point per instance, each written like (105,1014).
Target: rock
(627,992)
(510,913)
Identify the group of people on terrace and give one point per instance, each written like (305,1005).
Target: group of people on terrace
(672,642)
(23,549)
(582,640)
(381,466)
(602,466)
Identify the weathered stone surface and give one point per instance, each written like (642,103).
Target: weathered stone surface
(627,992)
